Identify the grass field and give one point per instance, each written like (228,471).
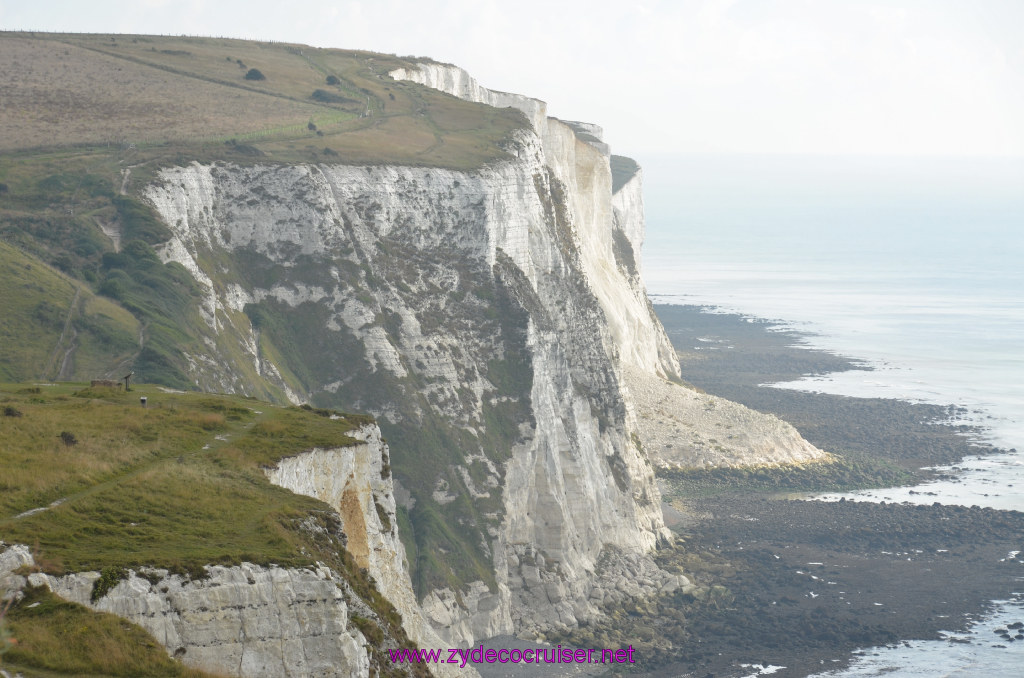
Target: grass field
(164,98)
(175,484)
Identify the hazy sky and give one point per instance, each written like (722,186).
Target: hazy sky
(789,76)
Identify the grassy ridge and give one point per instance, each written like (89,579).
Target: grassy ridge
(176,485)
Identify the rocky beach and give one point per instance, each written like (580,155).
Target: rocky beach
(807,583)
(811,582)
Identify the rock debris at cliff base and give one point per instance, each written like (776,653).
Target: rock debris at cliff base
(813,581)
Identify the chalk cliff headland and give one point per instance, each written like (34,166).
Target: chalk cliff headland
(494,321)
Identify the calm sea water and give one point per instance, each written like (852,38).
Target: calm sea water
(914,265)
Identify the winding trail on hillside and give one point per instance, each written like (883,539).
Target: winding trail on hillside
(60,342)
(112,231)
(66,364)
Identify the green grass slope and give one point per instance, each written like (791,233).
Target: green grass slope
(176,485)
(54,326)
(57,638)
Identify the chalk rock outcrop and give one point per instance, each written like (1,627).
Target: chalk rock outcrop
(356,482)
(682,428)
(486,317)
(239,621)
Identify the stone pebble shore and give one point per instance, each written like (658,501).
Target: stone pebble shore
(813,581)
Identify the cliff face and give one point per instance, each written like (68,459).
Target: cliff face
(494,321)
(679,427)
(239,621)
(356,482)
(446,303)
(606,212)
(395,249)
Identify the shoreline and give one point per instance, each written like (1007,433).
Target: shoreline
(746,353)
(811,582)
(907,572)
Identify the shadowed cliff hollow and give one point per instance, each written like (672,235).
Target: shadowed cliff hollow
(381,235)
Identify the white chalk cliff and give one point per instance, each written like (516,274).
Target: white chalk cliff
(354,481)
(401,270)
(677,425)
(239,621)
(496,323)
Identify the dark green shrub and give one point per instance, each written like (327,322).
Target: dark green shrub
(109,578)
(254,74)
(115,287)
(333,80)
(325,97)
(244,149)
(258,315)
(64,263)
(139,221)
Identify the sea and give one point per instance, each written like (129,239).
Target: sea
(912,265)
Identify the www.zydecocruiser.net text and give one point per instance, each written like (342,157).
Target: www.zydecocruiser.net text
(540,655)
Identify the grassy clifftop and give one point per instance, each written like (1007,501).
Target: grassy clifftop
(162,98)
(93,481)
(177,484)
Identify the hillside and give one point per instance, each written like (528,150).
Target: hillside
(89,120)
(94,482)
(56,327)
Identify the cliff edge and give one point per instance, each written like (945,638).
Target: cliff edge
(442,256)
(494,320)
